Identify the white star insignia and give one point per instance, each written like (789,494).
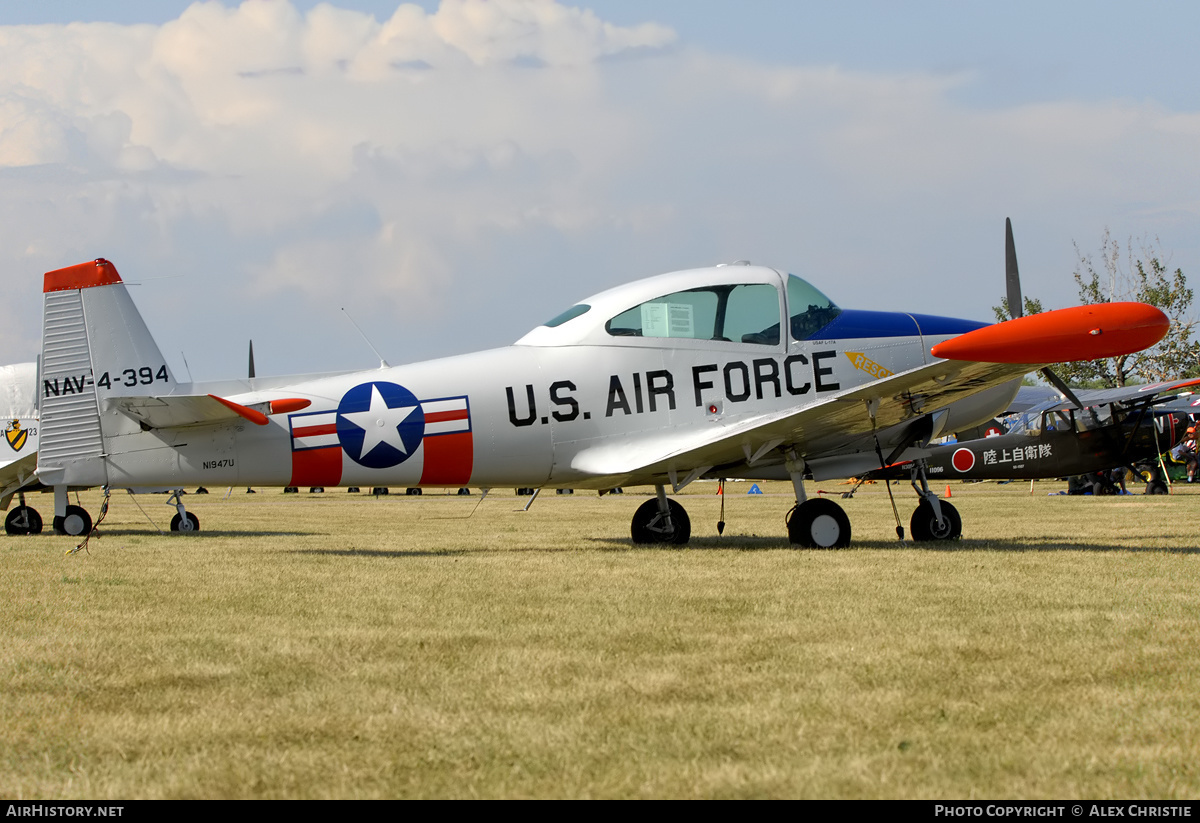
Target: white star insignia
(380,424)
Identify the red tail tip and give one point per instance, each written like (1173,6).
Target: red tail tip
(99,272)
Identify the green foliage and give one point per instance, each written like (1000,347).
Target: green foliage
(1145,278)
(1032,306)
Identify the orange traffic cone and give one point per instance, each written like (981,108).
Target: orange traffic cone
(947,492)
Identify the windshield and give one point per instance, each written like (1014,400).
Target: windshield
(809,309)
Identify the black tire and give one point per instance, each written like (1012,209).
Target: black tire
(75,522)
(649,525)
(818,523)
(23,520)
(464,492)
(924,525)
(192,524)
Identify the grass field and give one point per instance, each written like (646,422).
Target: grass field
(342,646)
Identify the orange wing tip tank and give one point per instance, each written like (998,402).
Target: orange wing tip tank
(1078,333)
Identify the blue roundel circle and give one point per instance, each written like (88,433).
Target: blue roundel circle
(380,425)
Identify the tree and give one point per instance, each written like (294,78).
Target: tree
(1143,279)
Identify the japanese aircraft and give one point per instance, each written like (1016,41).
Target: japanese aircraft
(1114,427)
(723,372)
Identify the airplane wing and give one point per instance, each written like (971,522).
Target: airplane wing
(1152,393)
(15,476)
(826,428)
(177,411)
(843,427)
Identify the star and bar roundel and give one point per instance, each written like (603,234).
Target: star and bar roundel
(381,425)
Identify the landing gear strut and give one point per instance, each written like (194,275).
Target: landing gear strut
(69,520)
(661,520)
(183,521)
(934,519)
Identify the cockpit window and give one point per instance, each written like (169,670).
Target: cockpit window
(736,313)
(569,314)
(1094,417)
(810,310)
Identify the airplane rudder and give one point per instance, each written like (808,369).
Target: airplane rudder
(125,358)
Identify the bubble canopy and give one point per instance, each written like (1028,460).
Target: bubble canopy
(742,305)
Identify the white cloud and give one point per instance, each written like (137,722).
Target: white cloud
(451,170)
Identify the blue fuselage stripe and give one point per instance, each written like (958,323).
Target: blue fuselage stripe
(852,324)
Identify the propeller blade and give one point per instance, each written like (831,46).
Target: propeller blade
(1016,305)
(1058,383)
(251,359)
(1012,279)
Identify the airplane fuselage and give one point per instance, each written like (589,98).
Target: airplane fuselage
(516,416)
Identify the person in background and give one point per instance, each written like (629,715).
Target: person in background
(1185,453)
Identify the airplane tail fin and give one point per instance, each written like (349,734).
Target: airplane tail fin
(94,344)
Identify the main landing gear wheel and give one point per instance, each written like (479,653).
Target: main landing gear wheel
(23,520)
(649,525)
(925,527)
(818,523)
(191,524)
(74,523)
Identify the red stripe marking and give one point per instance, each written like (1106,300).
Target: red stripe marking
(313,431)
(448,460)
(317,467)
(442,417)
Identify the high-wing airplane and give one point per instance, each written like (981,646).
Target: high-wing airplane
(1054,438)
(723,372)
(18,454)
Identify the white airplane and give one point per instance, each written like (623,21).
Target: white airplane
(735,371)
(18,454)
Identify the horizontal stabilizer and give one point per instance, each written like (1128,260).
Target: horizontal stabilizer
(1090,332)
(177,411)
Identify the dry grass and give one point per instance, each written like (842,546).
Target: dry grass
(342,646)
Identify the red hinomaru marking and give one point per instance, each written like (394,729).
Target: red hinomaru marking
(963,460)
(1078,333)
(99,272)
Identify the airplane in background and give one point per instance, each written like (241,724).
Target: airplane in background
(18,454)
(1055,438)
(733,371)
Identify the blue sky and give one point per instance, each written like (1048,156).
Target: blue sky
(454,174)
